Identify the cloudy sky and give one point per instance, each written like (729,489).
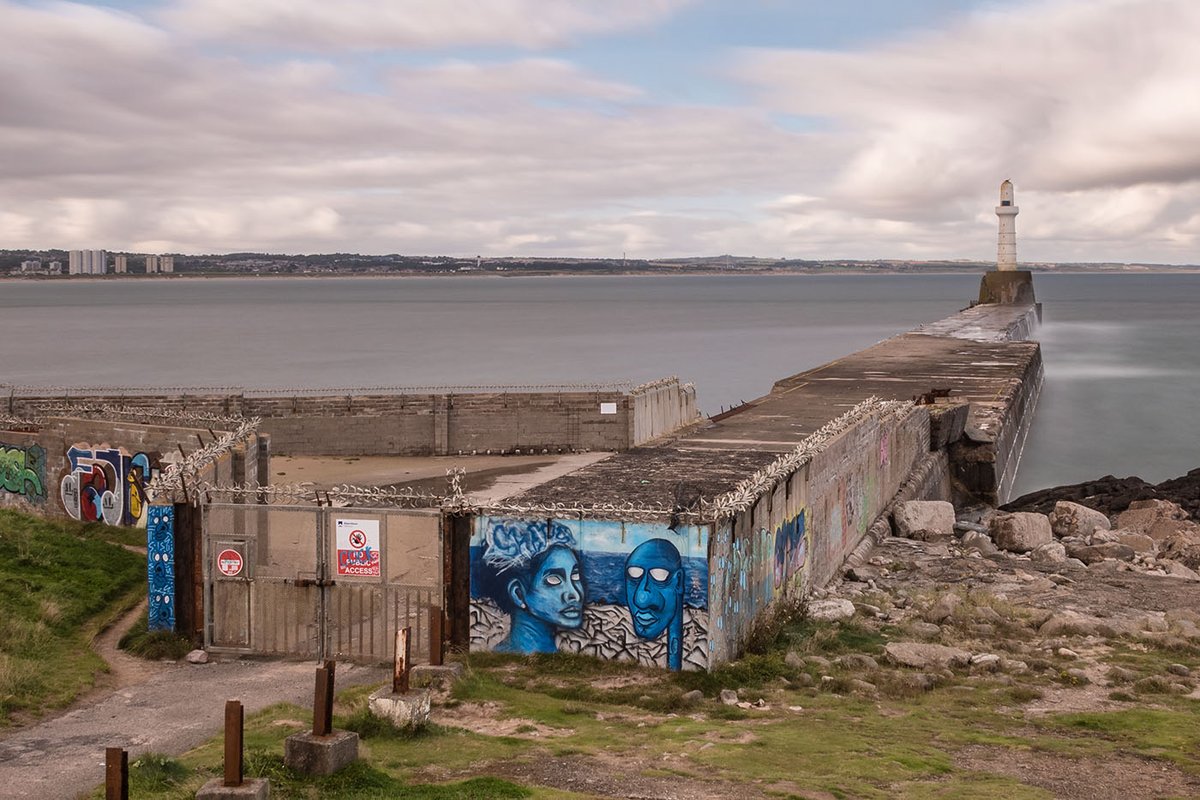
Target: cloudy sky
(797,128)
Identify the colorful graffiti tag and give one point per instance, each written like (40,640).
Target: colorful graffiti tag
(23,471)
(106,485)
(791,551)
(624,591)
(160,566)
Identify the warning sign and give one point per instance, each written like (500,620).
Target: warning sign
(230,563)
(358,548)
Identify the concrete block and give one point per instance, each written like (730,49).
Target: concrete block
(320,755)
(947,423)
(1006,288)
(251,789)
(404,711)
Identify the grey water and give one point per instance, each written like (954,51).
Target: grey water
(1122,392)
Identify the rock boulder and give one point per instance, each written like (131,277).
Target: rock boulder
(925,656)
(925,520)
(1072,519)
(1021,531)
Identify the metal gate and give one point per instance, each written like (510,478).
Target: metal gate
(319,582)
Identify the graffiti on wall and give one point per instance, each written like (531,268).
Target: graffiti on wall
(160,566)
(23,471)
(622,591)
(791,552)
(106,484)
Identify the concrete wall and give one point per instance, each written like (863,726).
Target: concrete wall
(800,534)
(95,470)
(661,408)
(432,424)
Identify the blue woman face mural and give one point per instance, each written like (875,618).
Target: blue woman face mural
(553,592)
(537,580)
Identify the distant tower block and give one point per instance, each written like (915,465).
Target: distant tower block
(1006,250)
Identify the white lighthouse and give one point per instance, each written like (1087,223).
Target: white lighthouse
(1006,250)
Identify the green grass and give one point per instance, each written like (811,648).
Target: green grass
(60,583)
(1172,734)
(154,645)
(586,712)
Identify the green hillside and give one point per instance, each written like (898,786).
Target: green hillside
(60,583)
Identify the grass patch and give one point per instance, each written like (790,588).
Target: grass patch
(155,772)
(154,645)
(60,583)
(1170,734)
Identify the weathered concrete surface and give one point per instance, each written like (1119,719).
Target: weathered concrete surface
(976,355)
(173,711)
(251,789)
(320,755)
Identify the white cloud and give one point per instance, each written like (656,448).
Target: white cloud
(122,133)
(381,24)
(1088,105)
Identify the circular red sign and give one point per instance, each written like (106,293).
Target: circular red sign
(229,562)
(358,539)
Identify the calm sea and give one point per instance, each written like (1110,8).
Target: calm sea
(1122,390)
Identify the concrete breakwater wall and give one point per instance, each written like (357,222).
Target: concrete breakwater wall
(673,553)
(406,422)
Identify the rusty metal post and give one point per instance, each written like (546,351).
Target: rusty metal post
(116,774)
(323,701)
(435,636)
(235,719)
(401,666)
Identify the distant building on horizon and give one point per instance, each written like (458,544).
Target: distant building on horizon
(120,264)
(157,265)
(87,262)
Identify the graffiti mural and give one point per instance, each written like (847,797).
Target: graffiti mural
(622,591)
(106,484)
(791,553)
(160,566)
(23,471)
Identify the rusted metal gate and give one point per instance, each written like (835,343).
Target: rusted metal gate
(319,582)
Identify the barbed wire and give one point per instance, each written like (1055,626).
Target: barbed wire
(173,479)
(747,492)
(725,506)
(17,390)
(22,424)
(140,412)
(661,383)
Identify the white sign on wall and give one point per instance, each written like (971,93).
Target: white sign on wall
(608,408)
(358,547)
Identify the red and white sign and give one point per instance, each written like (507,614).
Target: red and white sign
(358,548)
(230,563)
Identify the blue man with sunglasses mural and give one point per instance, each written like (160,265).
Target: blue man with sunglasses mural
(654,595)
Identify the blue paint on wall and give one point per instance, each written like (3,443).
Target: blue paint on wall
(160,566)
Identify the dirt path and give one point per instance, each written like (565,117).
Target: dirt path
(123,669)
(175,708)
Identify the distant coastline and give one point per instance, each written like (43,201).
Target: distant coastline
(584,273)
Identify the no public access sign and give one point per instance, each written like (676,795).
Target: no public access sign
(230,563)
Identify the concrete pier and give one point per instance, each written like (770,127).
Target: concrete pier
(981,356)
(752,509)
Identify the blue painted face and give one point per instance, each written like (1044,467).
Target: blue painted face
(653,587)
(554,592)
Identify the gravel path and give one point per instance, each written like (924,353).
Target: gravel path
(172,711)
